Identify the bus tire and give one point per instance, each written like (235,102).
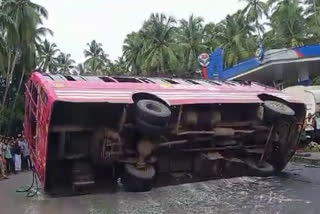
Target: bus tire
(153,112)
(274,110)
(138,180)
(285,133)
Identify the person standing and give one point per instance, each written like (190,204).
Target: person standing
(2,160)
(26,161)
(17,155)
(8,157)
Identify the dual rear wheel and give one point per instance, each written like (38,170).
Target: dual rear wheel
(151,119)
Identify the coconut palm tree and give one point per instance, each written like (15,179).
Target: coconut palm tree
(40,33)
(47,56)
(8,32)
(6,23)
(254,11)
(133,50)
(95,57)
(235,37)
(312,8)
(159,53)
(209,36)
(20,41)
(288,21)
(64,63)
(118,67)
(81,69)
(312,13)
(18,48)
(190,38)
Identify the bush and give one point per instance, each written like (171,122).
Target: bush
(312,147)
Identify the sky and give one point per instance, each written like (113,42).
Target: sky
(77,22)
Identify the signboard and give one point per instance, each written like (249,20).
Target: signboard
(204,59)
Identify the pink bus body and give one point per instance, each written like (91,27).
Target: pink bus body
(50,95)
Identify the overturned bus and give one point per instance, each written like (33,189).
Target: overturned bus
(86,131)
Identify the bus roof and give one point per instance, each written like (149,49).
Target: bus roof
(71,88)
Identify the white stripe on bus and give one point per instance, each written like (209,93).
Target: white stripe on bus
(168,98)
(163,94)
(169,94)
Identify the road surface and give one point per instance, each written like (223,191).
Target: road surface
(297,190)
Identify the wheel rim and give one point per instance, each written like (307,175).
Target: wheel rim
(153,107)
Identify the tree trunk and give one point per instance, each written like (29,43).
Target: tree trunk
(9,77)
(7,80)
(162,63)
(19,88)
(257,21)
(259,33)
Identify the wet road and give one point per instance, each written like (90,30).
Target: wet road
(295,191)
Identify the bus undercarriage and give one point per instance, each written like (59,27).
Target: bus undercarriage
(150,143)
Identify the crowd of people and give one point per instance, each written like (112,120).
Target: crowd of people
(14,155)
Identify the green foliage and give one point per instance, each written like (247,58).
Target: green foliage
(20,29)
(47,56)
(133,51)
(236,38)
(316,80)
(95,58)
(254,12)
(288,23)
(64,63)
(159,54)
(190,40)
(163,45)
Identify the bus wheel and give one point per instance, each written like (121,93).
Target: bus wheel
(153,112)
(138,180)
(285,134)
